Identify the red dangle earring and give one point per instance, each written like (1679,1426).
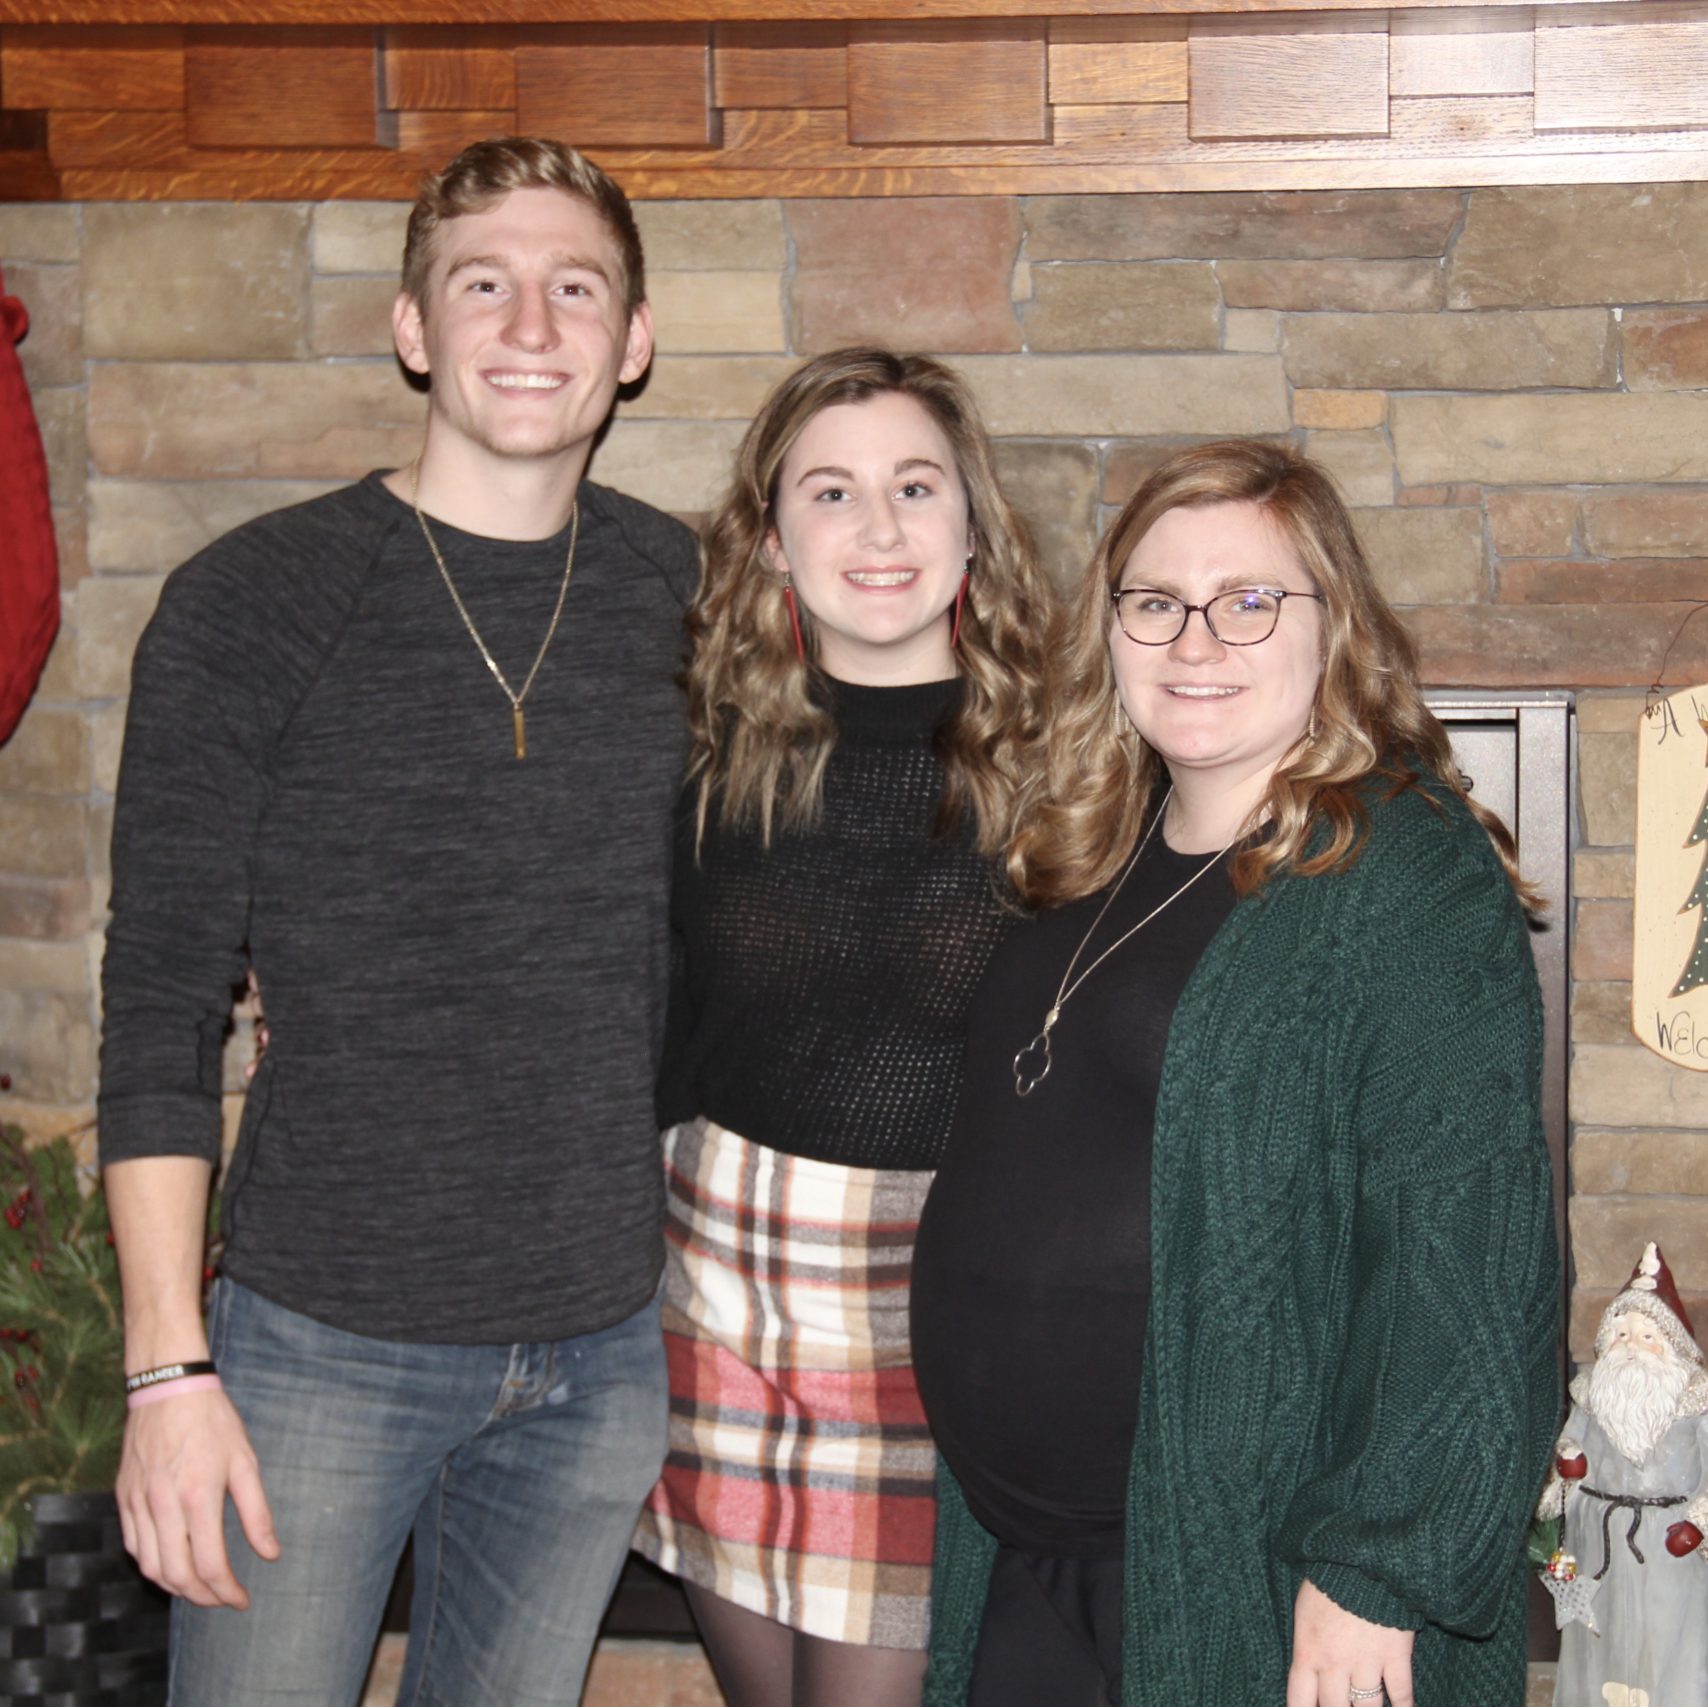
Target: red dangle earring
(794,618)
(960,604)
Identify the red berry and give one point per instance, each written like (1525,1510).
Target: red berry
(35,1265)
(5,1081)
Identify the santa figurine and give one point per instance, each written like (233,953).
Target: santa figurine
(1630,1480)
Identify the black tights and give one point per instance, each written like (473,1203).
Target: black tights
(761,1663)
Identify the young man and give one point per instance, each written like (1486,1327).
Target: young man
(410,751)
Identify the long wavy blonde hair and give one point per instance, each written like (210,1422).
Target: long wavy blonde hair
(761,737)
(1087,806)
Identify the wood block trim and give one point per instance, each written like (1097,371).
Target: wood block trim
(1075,95)
(117,68)
(610,85)
(1612,76)
(1461,53)
(1320,80)
(972,82)
(313,88)
(1117,61)
(452,70)
(780,65)
(301,13)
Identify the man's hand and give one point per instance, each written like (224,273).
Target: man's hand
(183,1452)
(1335,1653)
(182,1456)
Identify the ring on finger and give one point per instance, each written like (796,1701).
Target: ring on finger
(1373,1694)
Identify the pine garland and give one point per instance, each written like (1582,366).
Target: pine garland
(62,1407)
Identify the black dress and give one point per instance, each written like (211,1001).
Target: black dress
(1032,1268)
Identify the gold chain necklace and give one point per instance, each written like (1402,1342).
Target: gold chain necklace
(1028,1075)
(518,722)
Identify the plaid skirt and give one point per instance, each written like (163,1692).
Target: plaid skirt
(799,1482)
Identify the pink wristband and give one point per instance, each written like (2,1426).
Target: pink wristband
(171,1390)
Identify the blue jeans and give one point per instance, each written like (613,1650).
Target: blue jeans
(519,1469)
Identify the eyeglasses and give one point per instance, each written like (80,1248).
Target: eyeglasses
(1240,617)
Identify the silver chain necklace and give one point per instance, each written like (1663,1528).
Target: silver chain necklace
(518,722)
(1033,1063)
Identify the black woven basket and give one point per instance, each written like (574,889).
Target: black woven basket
(79,1624)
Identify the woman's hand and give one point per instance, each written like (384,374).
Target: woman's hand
(252,1001)
(1336,1653)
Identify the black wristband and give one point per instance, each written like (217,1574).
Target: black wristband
(167,1372)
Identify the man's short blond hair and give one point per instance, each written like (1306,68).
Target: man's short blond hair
(487,171)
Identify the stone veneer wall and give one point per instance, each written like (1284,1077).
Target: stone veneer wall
(1511,385)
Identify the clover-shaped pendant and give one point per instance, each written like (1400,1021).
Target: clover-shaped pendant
(1033,1063)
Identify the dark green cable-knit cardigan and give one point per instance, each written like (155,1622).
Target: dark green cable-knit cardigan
(1349,1372)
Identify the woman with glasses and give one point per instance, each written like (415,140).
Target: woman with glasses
(1235,1295)
(865,697)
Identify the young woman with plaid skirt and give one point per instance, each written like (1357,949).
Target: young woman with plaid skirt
(868,644)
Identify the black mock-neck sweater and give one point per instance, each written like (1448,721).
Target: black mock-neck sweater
(819,986)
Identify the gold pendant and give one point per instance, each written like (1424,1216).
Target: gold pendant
(519,726)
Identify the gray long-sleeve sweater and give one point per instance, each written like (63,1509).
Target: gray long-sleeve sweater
(461,954)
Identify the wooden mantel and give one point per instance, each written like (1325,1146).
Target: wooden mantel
(317,99)
(477,12)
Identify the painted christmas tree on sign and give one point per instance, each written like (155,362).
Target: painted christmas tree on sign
(1669,971)
(1695,973)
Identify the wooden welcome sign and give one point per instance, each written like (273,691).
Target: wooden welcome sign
(1669,973)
